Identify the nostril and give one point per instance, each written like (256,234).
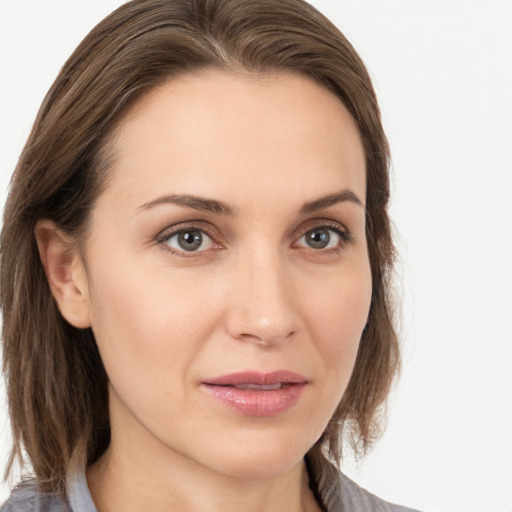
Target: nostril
(268,339)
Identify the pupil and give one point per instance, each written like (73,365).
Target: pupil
(319,238)
(190,240)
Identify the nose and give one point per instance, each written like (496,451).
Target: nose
(261,303)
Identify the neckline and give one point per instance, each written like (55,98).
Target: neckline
(79,495)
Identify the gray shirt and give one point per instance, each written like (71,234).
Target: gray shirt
(333,490)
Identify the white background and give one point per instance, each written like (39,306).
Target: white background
(443,73)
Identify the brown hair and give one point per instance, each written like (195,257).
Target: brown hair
(56,383)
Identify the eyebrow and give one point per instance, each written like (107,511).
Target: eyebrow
(330,200)
(201,204)
(214,206)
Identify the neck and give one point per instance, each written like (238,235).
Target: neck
(139,473)
(186,487)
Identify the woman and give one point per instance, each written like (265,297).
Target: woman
(195,266)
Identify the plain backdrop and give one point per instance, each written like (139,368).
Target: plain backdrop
(443,73)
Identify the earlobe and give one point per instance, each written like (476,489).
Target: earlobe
(65,273)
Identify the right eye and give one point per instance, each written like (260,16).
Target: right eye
(188,240)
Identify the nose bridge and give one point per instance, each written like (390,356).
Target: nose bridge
(262,307)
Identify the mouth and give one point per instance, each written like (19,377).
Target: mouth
(257,394)
(261,387)
(257,379)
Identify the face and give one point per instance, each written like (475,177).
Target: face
(227,270)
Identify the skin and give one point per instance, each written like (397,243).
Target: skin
(256,295)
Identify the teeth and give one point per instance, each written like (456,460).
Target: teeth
(262,387)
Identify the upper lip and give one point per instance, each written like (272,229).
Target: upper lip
(258,378)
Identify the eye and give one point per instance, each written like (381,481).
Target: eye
(188,240)
(324,238)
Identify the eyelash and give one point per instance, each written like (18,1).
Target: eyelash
(345,236)
(164,237)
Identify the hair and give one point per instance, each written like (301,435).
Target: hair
(56,382)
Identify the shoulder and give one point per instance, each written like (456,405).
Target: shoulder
(337,493)
(355,497)
(26,498)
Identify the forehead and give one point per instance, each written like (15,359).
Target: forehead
(207,132)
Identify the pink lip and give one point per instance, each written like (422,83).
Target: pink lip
(257,402)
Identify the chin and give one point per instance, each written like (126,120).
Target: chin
(260,456)
(258,465)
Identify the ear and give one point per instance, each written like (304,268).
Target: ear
(65,273)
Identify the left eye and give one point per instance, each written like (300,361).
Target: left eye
(321,238)
(189,240)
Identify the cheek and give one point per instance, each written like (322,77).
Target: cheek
(146,323)
(337,316)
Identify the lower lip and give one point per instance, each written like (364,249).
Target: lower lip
(259,403)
